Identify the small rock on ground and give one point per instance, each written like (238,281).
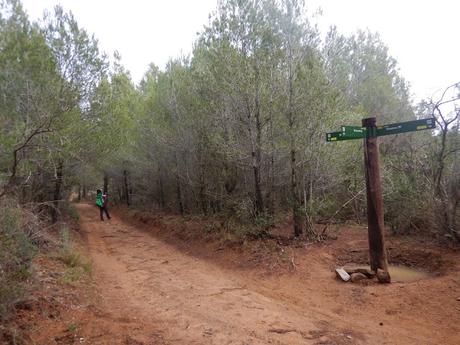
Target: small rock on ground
(356,277)
(342,274)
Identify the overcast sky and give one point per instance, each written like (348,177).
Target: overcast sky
(422,35)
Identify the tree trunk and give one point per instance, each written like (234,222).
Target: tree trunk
(120,194)
(125,187)
(106,183)
(202,192)
(57,192)
(440,170)
(259,204)
(161,189)
(271,173)
(296,205)
(256,154)
(79,192)
(271,187)
(179,189)
(440,191)
(299,224)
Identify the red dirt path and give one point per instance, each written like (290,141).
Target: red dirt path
(151,292)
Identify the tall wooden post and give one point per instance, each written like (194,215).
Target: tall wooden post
(369,131)
(377,250)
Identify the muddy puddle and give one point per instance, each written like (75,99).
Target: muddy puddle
(405,274)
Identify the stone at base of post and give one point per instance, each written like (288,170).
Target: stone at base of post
(383,276)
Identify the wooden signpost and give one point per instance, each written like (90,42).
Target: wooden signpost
(370,132)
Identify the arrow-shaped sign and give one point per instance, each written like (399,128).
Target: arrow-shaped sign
(403,127)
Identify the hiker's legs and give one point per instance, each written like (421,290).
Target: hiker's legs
(101,212)
(107,212)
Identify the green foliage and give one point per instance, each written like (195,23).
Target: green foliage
(67,254)
(16,253)
(48,72)
(240,232)
(236,128)
(76,266)
(403,214)
(69,209)
(248,232)
(212,227)
(361,67)
(229,126)
(27,81)
(72,327)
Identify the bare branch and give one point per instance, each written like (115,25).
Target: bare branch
(16,160)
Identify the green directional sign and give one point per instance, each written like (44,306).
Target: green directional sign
(337,136)
(354,132)
(403,127)
(358,132)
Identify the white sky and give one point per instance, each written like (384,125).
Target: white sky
(422,35)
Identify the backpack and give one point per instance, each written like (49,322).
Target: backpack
(99,200)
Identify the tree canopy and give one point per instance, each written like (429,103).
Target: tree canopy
(236,129)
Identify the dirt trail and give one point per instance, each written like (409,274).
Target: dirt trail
(186,300)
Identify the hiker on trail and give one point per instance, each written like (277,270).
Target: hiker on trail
(102,201)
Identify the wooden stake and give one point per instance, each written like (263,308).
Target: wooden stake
(377,250)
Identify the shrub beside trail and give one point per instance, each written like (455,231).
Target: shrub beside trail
(17,249)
